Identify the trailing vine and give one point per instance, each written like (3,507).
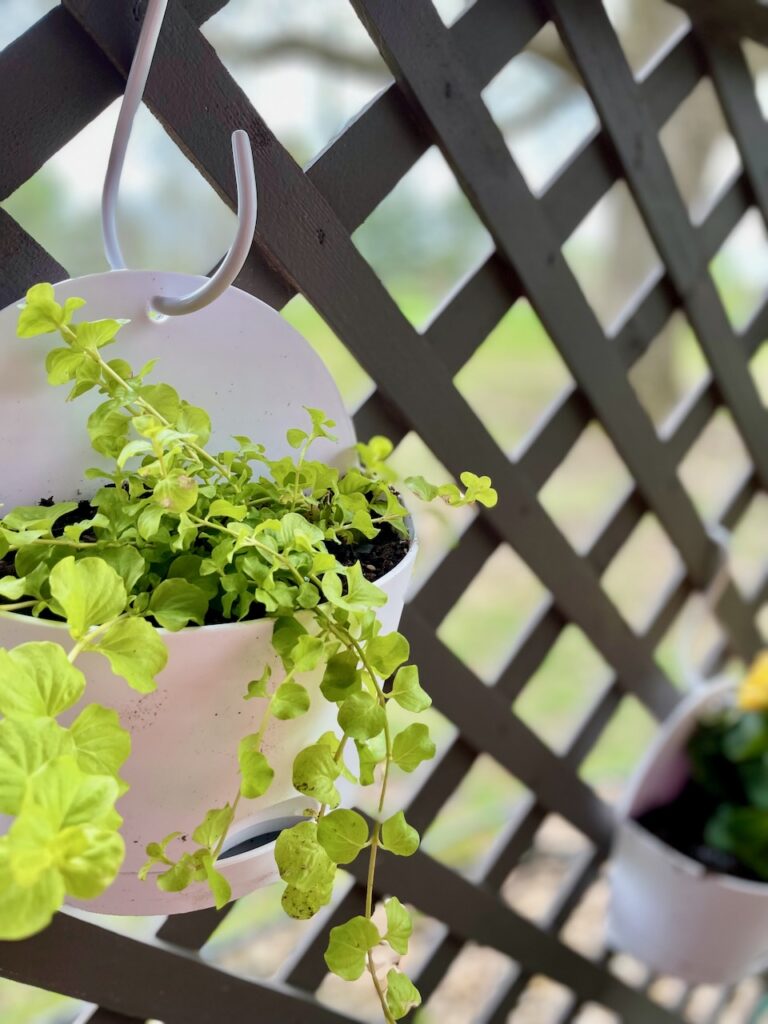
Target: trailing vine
(178,536)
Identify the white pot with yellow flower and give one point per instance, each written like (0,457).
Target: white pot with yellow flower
(689,876)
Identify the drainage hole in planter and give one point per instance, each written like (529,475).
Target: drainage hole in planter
(250,840)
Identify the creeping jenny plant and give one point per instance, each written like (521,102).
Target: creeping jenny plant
(179,536)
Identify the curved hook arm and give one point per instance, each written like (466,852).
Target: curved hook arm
(244,176)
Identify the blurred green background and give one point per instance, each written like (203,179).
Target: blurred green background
(309,68)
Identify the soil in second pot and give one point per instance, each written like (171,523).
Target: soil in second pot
(681,824)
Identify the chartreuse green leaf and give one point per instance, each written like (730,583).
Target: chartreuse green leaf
(37,680)
(290,700)
(306,869)
(134,651)
(308,652)
(407,691)
(72,797)
(177,492)
(361,716)
(214,827)
(412,746)
(101,746)
(402,994)
(331,741)
(217,883)
(314,774)
(129,565)
(399,925)
(341,676)
(398,836)
(37,517)
(360,594)
(25,746)
(303,905)
(88,858)
(42,314)
(26,909)
(387,653)
(89,592)
(342,834)
(258,687)
(349,946)
(175,603)
(256,773)
(478,488)
(370,753)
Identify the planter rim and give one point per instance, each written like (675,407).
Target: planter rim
(59,625)
(688,708)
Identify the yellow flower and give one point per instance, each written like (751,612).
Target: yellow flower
(753,692)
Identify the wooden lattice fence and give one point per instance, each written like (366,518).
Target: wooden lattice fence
(72,64)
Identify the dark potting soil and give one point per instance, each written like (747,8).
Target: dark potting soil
(377,557)
(681,823)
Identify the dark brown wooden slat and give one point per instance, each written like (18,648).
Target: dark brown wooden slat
(23,261)
(499,195)
(586,31)
(148,979)
(733,82)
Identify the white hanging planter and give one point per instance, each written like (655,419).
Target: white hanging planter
(666,909)
(254,373)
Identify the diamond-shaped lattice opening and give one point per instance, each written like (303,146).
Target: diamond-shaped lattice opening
(513,376)
(563,688)
(470,984)
(667,991)
(543,1001)
(586,486)
(593,1013)
(541,107)
(714,465)
(451,10)
(641,572)
(474,816)
(351,379)
(628,969)
(740,267)
(757,61)
(59,205)
(424,237)
(619,748)
(669,369)
(584,930)
(701,151)
(611,254)
(702,1003)
(533,887)
(646,29)
(483,625)
(438,527)
(23,1004)
(307,68)
(748,561)
(690,643)
(19,15)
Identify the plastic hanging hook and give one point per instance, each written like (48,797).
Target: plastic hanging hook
(244,175)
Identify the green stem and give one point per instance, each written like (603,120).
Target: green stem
(16,606)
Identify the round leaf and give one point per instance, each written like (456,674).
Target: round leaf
(407,691)
(349,946)
(398,836)
(361,716)
(135,652)
(290,700)
(175,603)
(256,772)
(101,745)
(412,746)
(314,774)
(89,592)
(399,925)
(342,834)
(38,680)
(387,653)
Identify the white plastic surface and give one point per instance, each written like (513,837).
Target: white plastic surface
(666,909)
(253,373)
(238,359)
